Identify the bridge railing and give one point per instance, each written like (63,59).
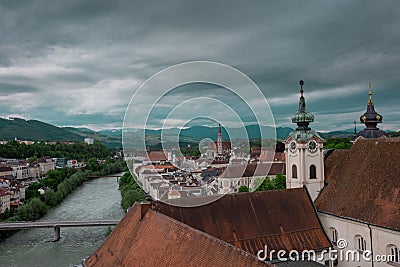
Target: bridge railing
(56,225)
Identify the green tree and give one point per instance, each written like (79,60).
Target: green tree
(93,164)
(131,197)
(243,188)
(337,143)
(266,185)
(279,182)
(49,197)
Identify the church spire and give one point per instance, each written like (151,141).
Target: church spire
(302,118)
(370,95)
(219,140)
(371,119)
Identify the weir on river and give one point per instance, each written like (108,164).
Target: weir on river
(97,199)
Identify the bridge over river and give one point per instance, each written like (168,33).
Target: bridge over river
(56,225)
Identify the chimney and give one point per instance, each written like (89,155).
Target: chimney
(144,207)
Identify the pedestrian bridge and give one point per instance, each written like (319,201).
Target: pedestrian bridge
(56,225)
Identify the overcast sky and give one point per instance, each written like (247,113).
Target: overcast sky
(78,63)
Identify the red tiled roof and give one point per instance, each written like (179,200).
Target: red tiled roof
(246,170)
(281,219)
(277,168)
(157,156)
(3,192)
(158,240)
(363,182)
(272,156)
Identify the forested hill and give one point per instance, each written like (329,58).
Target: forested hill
(34,130)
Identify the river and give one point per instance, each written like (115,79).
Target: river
(95,199)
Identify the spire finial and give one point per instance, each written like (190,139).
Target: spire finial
(370,94)
(301,87)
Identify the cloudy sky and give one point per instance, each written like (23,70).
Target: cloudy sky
(78,63)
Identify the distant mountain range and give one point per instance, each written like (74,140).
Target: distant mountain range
(35,130)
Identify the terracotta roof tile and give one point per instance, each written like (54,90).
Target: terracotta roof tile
(157,240)
(281,219)
(157,156)
(363,182)
(246,170)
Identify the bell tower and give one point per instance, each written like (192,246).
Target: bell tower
(304,155)
(219,141)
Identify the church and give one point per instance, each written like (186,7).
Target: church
(219,149)
(356,191)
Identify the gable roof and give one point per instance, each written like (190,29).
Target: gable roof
(145,237)
(363,182)
(253,169)
(157,156)
(271,156)
(280,219)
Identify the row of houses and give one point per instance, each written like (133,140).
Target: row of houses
(164,179)
(12,194)
(16,174)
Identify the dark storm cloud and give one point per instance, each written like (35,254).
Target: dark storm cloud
(86,58)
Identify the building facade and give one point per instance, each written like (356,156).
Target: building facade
(304,155)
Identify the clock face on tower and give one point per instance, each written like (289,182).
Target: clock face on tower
(293,146)
(312,146)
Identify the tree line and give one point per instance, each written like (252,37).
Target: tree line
(131,192)
(78,150)
(265,184)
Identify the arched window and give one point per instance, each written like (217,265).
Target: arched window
(393,253)
(313,172)
(333,235)
(294,171)
(360,243)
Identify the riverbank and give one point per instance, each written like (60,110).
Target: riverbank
(60,184)
(131,192)
(96,199)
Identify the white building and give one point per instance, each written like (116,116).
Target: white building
(4,200)
(89,141)
(304,155)
(361,201)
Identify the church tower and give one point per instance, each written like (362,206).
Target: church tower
(219,140)
(371,119)
(304,155)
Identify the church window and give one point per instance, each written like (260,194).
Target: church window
(294,171)
(333,235)
(393,254)
(360,243)
(313,172)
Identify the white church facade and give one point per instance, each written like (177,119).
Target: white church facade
(304,155)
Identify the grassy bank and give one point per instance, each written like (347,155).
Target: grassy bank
(131,192)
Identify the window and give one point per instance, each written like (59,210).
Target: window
(360,243)
(313,172)
(333,235)
(294,171)
(393,254)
